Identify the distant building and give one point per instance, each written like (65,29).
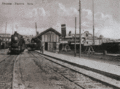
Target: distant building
(5,37)
(89,41)
(86,39)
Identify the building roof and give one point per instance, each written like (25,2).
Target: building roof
(4,34)
(91,38)
(49,29)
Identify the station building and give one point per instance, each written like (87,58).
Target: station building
(50,39)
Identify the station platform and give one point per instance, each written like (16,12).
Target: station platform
(100,57)
(109,70)
(106,67)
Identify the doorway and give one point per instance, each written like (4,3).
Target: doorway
(46,45)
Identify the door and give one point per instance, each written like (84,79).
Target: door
(54,46)
(46,45)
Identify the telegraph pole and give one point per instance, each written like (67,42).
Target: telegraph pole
(80,28)
(75,37)
(93,22)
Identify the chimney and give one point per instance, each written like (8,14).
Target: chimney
(63,30)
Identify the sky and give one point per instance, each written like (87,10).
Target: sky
(53,13)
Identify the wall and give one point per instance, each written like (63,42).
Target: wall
(50,37)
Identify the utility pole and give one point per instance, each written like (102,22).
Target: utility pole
(5,36)
(5,31)
(75,38)
(93,22)
(80,28)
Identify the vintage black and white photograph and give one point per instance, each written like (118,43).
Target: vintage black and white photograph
(59,44)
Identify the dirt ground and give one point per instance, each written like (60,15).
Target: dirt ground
(36,74)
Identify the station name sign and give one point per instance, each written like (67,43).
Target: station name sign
(16,3)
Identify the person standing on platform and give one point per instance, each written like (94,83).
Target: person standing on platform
(42,48)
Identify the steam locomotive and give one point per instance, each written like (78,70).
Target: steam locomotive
(17,43)
(34,45)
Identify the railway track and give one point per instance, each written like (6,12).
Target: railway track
(78,79)
(1,57)
(6,71)
(17,82)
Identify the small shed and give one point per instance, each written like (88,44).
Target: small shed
(50,39)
